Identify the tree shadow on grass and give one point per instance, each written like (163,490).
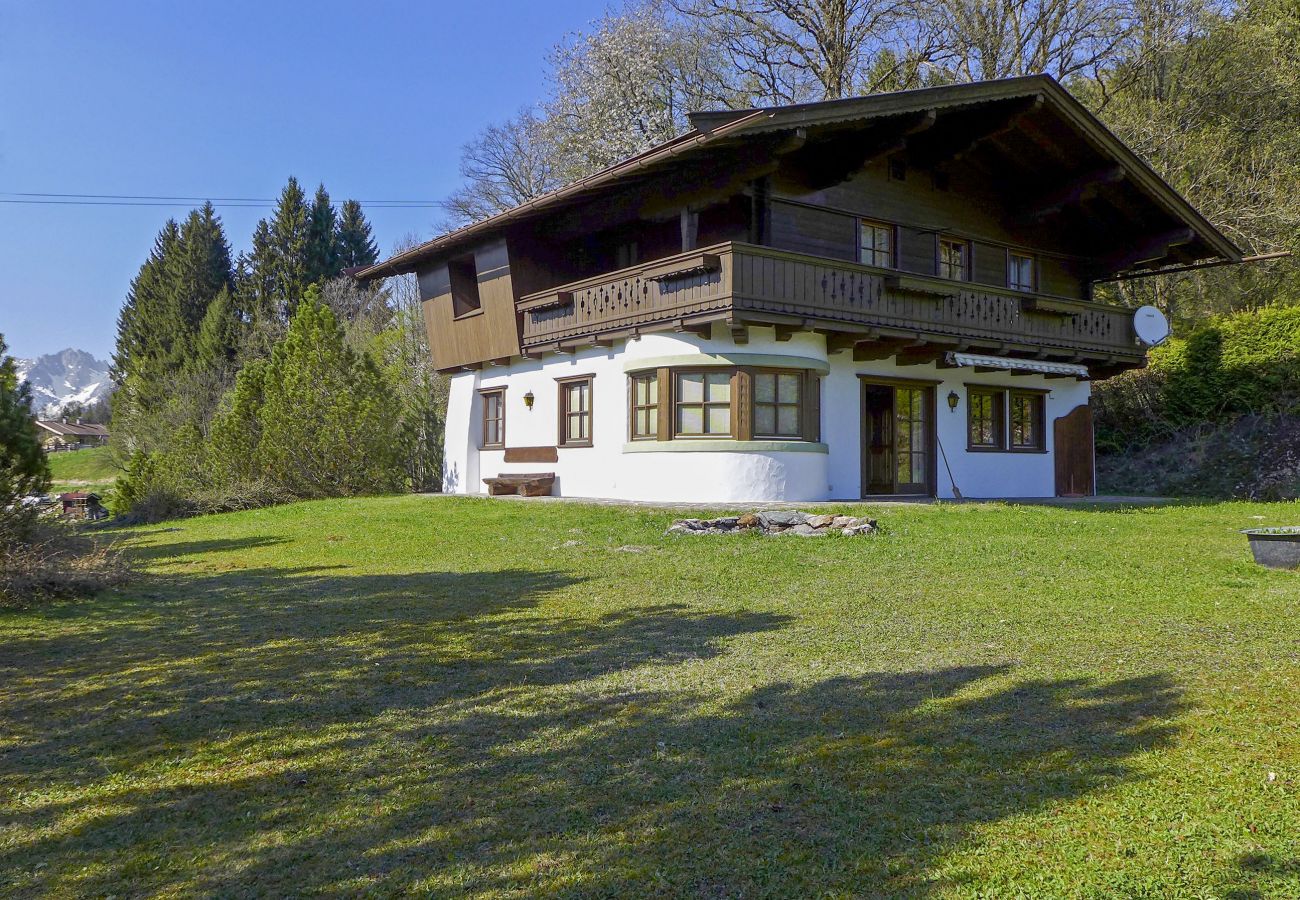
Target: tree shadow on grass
(289,732)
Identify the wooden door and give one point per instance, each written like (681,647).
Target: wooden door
(1072,437)
(897,439)
(878,439)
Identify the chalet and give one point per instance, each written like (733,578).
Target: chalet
(875,297)
(64,435)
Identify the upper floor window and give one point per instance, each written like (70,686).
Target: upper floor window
(703,404)
(954,259)
(494,418)
(645,406)
(778,404)
(876,244)
(464,285)
(626,254)
(575,411)
(1020,272)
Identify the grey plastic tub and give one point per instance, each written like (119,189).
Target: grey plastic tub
(1277,548)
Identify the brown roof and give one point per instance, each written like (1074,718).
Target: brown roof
(78,495)
(718,127)
(71,429)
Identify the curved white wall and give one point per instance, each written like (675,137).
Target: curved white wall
(610,469)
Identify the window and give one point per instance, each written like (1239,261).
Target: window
(778,404)
(626,254)
(985,417)
(1027,420)
(954,259)
(703,404)
(645,406)
(575,412)
(494,418)
(876,244)
(1020,272)
(464,286)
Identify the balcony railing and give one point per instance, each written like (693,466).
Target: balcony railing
(748,283)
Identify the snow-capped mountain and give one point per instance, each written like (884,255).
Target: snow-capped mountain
(68,376)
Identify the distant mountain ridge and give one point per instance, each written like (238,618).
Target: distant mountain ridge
(68,376)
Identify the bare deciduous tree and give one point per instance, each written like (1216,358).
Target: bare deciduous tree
(504,166)
(787,51)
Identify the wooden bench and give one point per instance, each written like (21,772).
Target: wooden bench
(527,484)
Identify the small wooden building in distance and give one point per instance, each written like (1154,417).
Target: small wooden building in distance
(60,434)
(873,297)
(82,505)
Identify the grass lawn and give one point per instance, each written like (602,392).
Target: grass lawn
(473,698)
(80,470)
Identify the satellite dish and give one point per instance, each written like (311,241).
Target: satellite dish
(1151,326)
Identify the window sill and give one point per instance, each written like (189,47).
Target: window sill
(468,315)
(493,447)
(1020,450)
(723,445)
(576,445)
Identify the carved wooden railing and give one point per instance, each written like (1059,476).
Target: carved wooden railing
(742,278)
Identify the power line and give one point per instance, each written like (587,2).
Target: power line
(53,199)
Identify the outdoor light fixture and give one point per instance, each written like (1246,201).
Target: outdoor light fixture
(952,400)
(528,399)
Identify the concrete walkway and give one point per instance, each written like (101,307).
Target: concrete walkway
(1105,502)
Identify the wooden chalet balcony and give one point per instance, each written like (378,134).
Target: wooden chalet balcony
(744,284)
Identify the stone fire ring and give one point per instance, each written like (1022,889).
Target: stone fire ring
(778,522)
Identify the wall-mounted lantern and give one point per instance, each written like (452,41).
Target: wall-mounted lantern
(528,399)
(953,399)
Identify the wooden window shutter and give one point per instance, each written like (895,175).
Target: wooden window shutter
(812,428)
(666,401)
(742,410)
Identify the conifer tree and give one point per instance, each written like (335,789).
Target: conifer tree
(356,243)
(199,271)
(288,232)
(322,239)
(327,421)
(23,468)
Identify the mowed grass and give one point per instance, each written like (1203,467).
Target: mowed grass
(463,697)
(91,469)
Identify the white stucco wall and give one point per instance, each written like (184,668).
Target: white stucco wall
(664,471)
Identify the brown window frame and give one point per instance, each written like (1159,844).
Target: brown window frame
(889,227)
(741,403)
(462,277)
(800,404)
(652,376)
(999,414)
(1033,271)
(563,386)
(967,260)
(676,403)
(1039,398)
(500,394)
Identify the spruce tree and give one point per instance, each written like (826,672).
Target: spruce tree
(288,249)
(200,270)
(356,244)
(322,239)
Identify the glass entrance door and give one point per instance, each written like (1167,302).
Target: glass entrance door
(897,439)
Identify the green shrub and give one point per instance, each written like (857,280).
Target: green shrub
(1245,363)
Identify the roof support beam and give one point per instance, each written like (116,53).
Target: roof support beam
(1153,248)
(945,152)
(1071,193)
(837,161)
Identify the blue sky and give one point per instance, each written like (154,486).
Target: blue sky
(227,99)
